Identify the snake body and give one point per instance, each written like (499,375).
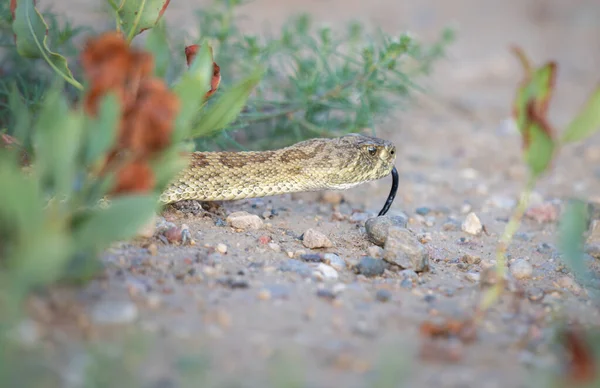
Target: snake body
(311,165)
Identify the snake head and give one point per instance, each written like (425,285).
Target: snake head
(366,158)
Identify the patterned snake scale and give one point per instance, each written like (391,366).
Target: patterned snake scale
(311,165)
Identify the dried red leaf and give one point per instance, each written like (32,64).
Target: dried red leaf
(148,107)
(462,329)
(190,53)
(136,177)
(581,366)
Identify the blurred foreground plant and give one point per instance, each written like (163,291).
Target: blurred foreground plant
(541,144)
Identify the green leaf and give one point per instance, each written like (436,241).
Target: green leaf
(57,141)
(22,125)
(191,90)
(538,88)
(158,44)
(540,152)
(31,33)
(227,107)
(139,15)
(121,220)
(587,122)
(571,233)
(102,130)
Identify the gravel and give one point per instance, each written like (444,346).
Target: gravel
(403,250)
(377,228)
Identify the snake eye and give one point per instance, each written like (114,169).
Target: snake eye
(372,150)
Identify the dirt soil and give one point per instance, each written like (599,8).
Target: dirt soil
(458,152)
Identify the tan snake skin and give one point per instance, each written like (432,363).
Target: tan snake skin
(311,165)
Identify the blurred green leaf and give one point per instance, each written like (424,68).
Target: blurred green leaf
(537,87)
(101,131)
(158,44)
(587,122)
(540,152)
(31,33)
(139,15)
(57,141)
(227,106)
(571,233)
(22,125)
(191,90)
(121,220)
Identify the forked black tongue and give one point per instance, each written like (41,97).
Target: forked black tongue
(392,194)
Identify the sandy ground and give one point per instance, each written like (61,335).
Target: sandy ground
(457,152)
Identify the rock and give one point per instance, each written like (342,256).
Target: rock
(162,225)
(325,272)
(173,235)
(403,249)
(375,251)
(594,232)
(535,294)
(221,248)
(311,257)
(115,312)
(377,227)
(473,277)
(335,261)
(543,213)
(326,293)
(314,239)
(370,267)
(297,266)
(264,240)
(409,274)
(470,259)
(423,211)
(274,247)
(521,269)
(244,221)
(383,295)
(593,250)
(472,224)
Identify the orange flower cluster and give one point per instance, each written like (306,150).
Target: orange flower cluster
(148,107)
(190,54)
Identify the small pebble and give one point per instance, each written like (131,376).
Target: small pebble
(370,266)
(472,224)
(535,294)
(152,249)
(593,250)
(221,248)
(314,239)
(471,259)
(274,247)
(325,272)
(403,249)
(297,266)
(377,227)
(244,221)
(521,269)
(543,213)
(173,235)
(326,294)
(311,257)
(423,211)
(473,277)
(264,240)
(335,261)
(383,295)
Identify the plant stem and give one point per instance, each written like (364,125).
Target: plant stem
(492,295)
(136,21)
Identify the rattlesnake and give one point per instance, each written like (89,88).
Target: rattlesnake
(310,165)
